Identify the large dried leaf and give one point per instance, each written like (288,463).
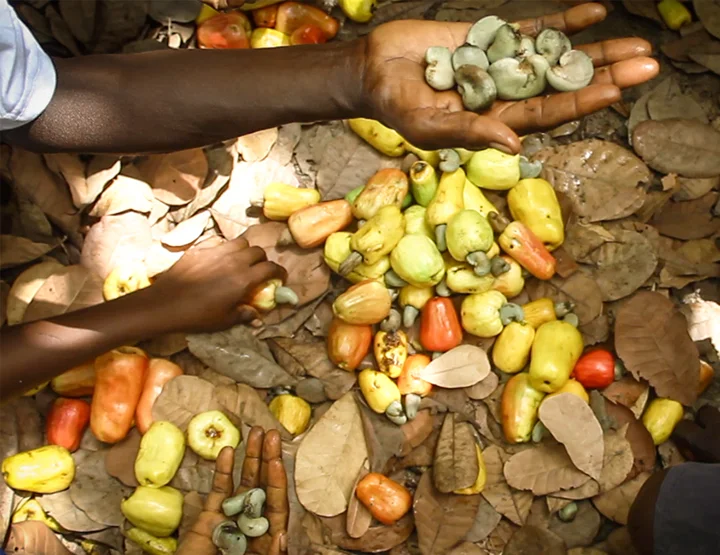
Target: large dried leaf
(60,507)
(708,11)
(120,459)
(330,457)
(442,519)
(187,232)
(68,289)
(384,439)
(644,8)
(630,393)
(194,474)
(579,289)
(116,240)
(124,193)
(61,31)
(176,177)
(235,353)
(581,239)
(693,188)
(182,398)
(641,443)
(378,538)
(707,55)
(543,469)
(674,218)
(615,504)
(359,517)
(33,537)
(603,180)
(667,101)
(455,467)
(243,402)
(572,422)
(118,22)
(257,146)
(620,267)
(31,222)
(463,366)
(618,459)
(72,170)
(511,503)
(486,519)
(97,493)
(15,251)
(531,540)
(686,147)
(80,18)
(652,340)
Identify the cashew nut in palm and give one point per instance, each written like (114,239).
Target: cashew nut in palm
(253,527)
(551,44)
(229,538)
(575,71)
(469,55)
(254,503)
(439,71)
(506,44)
(482,33)
(527,46)
(476,87)
(519,79)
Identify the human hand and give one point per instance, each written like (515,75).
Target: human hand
(394,83)
(206,289)
(699,440)
(263,468)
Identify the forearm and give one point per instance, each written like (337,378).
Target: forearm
(33,353)
(172,100)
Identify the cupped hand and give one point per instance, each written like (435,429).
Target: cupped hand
(394,81)
(262,468)
(206,289)
(699,440)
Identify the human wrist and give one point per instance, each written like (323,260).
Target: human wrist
(351,79)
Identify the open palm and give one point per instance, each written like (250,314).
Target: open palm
(399,97)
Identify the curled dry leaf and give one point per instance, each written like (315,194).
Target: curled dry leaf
(455,467)
(101,170)
(615,504)
(652,340)
(60,507)
(182,398)
(72,171)
(581,531)
(187,232)
(120,459)
(442,519)
(329,459)
(483,388)
(20,250)
(467,548)
(641,443)
(531,540)
(486,519)
(543,469)
(512,504)
(176,177)
(703,319)
(116,240)
(159,258)
(256,146)
(124,193)
(581,290)
(630,393)
(165,345)
(667,101)
(618,459)
(603,180)
(31,222)
(358,518)
(243,402)
(33,537)
(572,422)
(463,366)
(686,147)
(672,220)
(68,289)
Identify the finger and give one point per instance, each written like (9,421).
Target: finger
(549,111)
(277,507)
(570,21)
(253,255)
(250,477)
(627,73)
(278,546)
(247,314)
(709,418)
(237,244)
(272,450)
(265,271)
(209,243)
(259,546)
(222,481)
(608,52)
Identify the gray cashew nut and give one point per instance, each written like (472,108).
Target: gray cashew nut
(575,71)
(551,44)
(527,46)
(467,54)
(439,71)
(519,79)
(253,527)
(529,169)
(477,88)
(482,33)
(506,44)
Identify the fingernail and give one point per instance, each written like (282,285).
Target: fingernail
(501,148)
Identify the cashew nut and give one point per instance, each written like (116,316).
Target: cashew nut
(539,431)
(476,87)
(574,72)
(234,505)
(410,314)
(519,79)
(229,538)
(392,322)
(254,503)
(439,71)
(499,266)
(563,307)
(482,33)
(572,319)
(551,44)
(440,232)
(442,290)
(529,169)
(253,527)
(285,295)
(506,44)
(395,413)
(527,46)
(469,55)
(568,512)
(480,263)
(511,312)
(449,160)
(394,280)
(412,404)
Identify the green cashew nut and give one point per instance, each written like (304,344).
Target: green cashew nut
(449,160)
(575,71)
(483,32)
(254,503)
(285,295)
(353,260)
(410,314)
(227,537)
(563,308)
(519,79)
(253,527)
(439,71)
(511,312)
(480,263)
(499,266)
(394,280)
(572,319)
(234,505)
(442,289)
(539,431)
(395,413)
(568,512)
(436,354)
(412,404)
(392,322)
(506,44)
(476,87)
(528,169)
(551,44)
(469,55)
(440,241)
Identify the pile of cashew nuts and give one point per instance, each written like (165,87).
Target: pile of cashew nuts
(498,62)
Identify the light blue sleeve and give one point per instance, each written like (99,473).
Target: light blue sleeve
(27,74)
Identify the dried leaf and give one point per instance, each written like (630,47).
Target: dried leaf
(703,318)
(61,31)
(581,239)
(463,366)
(638,114)
(511,503)
(615,504)
(618,459)
(68,289)
(379,538)
(707,55)
(670,454)
(245,404)
(603,180)
(652,340)
(581,531)
(417,430)
(33,537)
(124,193)
(572,422)
(120,459)
(72,170)
(194,474)
(579,289)
(673,218)
(679,146)
(176,177)
(483,388)
(486,519)
(60,507)
(358,516)
(467,548)
(329,459)
(165,345)
(530,540)
(641,443)
(31,222)
(257,146)
(97,493)
(644,8)
(709,14)
(384,439)
(182,398)
(19,250)
(694,188)
(455,467)
(496,542)
(290,325)
(442,519)
(235,353)
(630,393)
(187,232)
(116,240)
(667,101)
(543,469)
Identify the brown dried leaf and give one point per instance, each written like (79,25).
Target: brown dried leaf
(72,170)
(693,188)
(572,422)
(69,289)
(667,101)
(496,542)
(329,459)
(194,474)
(709,14)
(120,459)
(442,519)
(25,286)
(618,459)
(641,443)
(20,250)
(176,177)
(358,517)
(483,388)
(707,55)
(33,537)
(384,439)
(463,366)
(603,180)
(187,232)
(670,454)
(102,169)
(686,147)
(652,340)
(615,504)
(581,239)
(531,540)
(455,467)
(511,503)
(486,519)
(379,538)
(165,345)
(543,469)
(124,193)
(467,548)
(244,403)
(116,240)
(60,507)
(182,398)
(630,393)
(644,8)
(673,218)
(581,531)
(416,431)
(579,289)
(257,146)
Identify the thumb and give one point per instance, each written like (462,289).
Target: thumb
(247,314)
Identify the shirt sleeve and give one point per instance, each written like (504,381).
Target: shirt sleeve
(27,74)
